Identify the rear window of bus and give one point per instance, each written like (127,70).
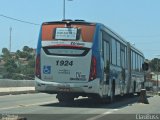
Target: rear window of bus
(83,32)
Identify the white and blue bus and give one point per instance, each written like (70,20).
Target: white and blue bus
(78,58)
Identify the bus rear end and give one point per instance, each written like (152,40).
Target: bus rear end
(64,61)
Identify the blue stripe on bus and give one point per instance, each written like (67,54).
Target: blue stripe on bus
(96,53)
(39,45)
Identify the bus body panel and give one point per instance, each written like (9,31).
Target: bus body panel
(65,68)
(81,88)
(67,65)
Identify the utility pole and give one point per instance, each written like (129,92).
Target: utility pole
(157,72)
(10,38)
(157,75)
(64,8)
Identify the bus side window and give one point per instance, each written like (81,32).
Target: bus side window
(123,60)
(106,53)
(106,47)
(118,54)
(114,50)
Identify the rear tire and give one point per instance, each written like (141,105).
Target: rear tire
(142,87)
(65,98)
(99,100)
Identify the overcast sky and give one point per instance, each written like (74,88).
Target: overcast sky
(138,21)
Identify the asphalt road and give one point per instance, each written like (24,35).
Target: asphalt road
(39,106)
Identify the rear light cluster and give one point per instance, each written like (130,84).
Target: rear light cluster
(38,66)
(93,71)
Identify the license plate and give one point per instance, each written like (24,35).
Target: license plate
(64,89)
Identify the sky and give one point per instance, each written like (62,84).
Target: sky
(137,21)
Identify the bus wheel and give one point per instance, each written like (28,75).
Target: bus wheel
(65,98)
(112,94)
(142,87)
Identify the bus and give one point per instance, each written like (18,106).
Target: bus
(79,58)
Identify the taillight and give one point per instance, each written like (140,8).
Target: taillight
(38,67)
(93,71)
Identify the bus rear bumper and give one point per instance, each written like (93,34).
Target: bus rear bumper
(92,87)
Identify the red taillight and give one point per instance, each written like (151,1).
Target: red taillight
(38,67)
(93,71)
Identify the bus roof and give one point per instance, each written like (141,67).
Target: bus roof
(122,39)
(83,22)
(68,21)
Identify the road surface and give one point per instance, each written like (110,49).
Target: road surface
(40,106)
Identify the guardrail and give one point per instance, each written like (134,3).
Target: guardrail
(153,93)
(16,83)
(8,86)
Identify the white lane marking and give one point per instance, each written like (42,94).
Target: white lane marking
(102,115)
(28,105)
(9,107)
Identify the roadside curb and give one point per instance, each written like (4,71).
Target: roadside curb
(16,90)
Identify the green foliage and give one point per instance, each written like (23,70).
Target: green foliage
(30,57)
(20,65)
(17,77)
(10,66)
(6,54)
(31,63)
(27,49)
(5,51)
(155,65)
(23,54)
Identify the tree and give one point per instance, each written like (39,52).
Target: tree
(31,63)
(30,57)
(6,54)
(26,49)
(5,51)
(16,68)
(10,67)
(23,54)
(155,65)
